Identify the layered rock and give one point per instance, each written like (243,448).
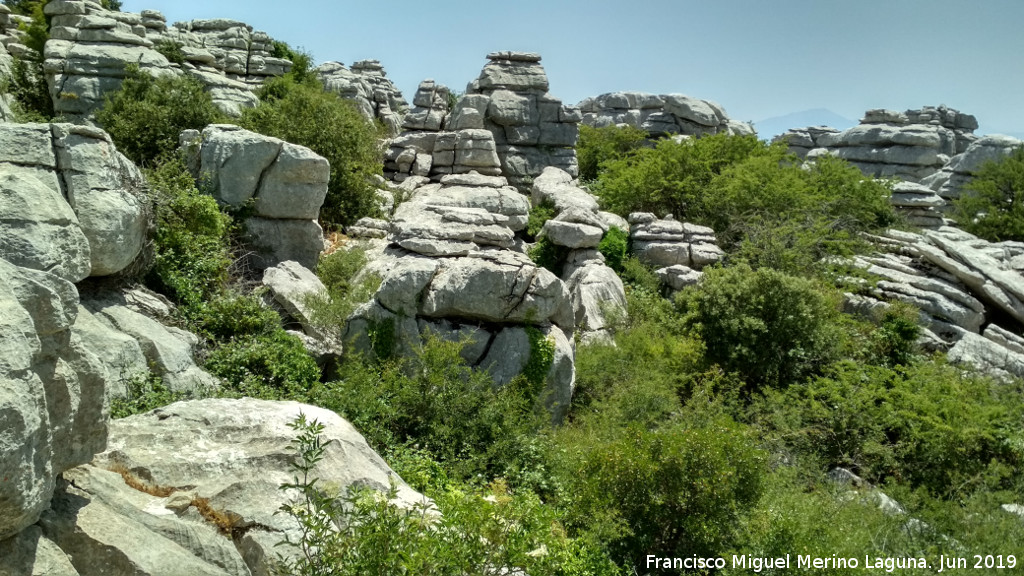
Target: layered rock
(286,185)
(919,205)
(660,114)
(366,83)
(949,182)
(595,290)
(51,393)
(679,250)
(292,290)
(507,124)
(147,505)
(90,48)
(452,267)
(72,204)
(909,145)
(962,285)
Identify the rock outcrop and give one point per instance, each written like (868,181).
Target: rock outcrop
(909,145)
(919,205)
(285,183)
(90,49)
(71,203)
(949,182)
(968,291)
(507,124)
(176,494)
(679,250)
(366,83)
(660,114)
(51,393)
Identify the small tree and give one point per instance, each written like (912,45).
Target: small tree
(600,145)
(992,205)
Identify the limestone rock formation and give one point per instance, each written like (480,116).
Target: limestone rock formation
(366,83)
(964,287)
(949,182)
(669,242)
(72,203)
(660,114)
(919,205)
(51,393)
(909,145)
(286,183)
(90,47)
(507,124)
(144,505)
(290,290)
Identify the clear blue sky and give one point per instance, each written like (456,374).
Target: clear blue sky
(758,58)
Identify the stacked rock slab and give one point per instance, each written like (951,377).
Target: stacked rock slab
(291,290)
(909,145)
(679,250)
(70,203)
(285,183)
(532,128)
(919,205)
(949,182)
(660,114)
(90,48)
(452,267)
(596,292)
(964,286)
(802,140)
(367,84)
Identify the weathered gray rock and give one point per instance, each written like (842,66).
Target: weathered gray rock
(660,115)
(294,291)
(679,277)
(510,352)
(366,84)
(51,393)
(193,448)
(596,290)
(668,242)
(949,182)
(988,356)
(571,234)
(30,553)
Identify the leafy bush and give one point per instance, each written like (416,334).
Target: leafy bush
(303,113)
(992,204)
(338,271)
(144,392)
(539,214)
(770,328)
(600,145)
(274,365)
(614,245)
(145,117)
(925,424)
(171,50)
(549,255)
(673,491)
(229,315)
(191,240)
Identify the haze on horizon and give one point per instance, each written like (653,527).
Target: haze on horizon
(760,59)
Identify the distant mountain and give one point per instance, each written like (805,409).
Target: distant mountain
(771,127)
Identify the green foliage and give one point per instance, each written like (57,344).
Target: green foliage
(638,275)
(114,5)
(542,356)
(229,315)
(992,204)
(673,491)
(926,424)
(547,254)
(145,117)
(338,271)
(144,392)
(671,177)
(451,411)
(301,71)
(302,112)
(478,531)
(171,50)
(272,366)
(539,214)
(770,328)
(895,341)
(383,342)
(600,145)
(27,85)
(191,240)
(614,245)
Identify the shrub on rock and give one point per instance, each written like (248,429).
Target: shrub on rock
(992,205)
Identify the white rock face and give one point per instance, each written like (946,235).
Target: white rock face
(90,48)
(287,184)
(72,203)
(233,453)
(949,182)
(51,393)
(660,114)
(669,242)
(367,85)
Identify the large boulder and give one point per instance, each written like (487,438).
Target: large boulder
(51,393)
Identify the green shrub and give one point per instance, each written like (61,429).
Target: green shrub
(614,245)
(228,315)
(272,366)
(303,113)
(926,424)
(674,491)
(144,392)
(600,145)
(191,240)
(146,116)
(171,50)
(770,328)
(549,255)
(992,204)
(539,214)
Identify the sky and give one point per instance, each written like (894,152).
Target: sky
(758,58)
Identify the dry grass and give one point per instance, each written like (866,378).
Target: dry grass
(141,485)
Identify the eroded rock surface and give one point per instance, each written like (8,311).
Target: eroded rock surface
(661,114)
